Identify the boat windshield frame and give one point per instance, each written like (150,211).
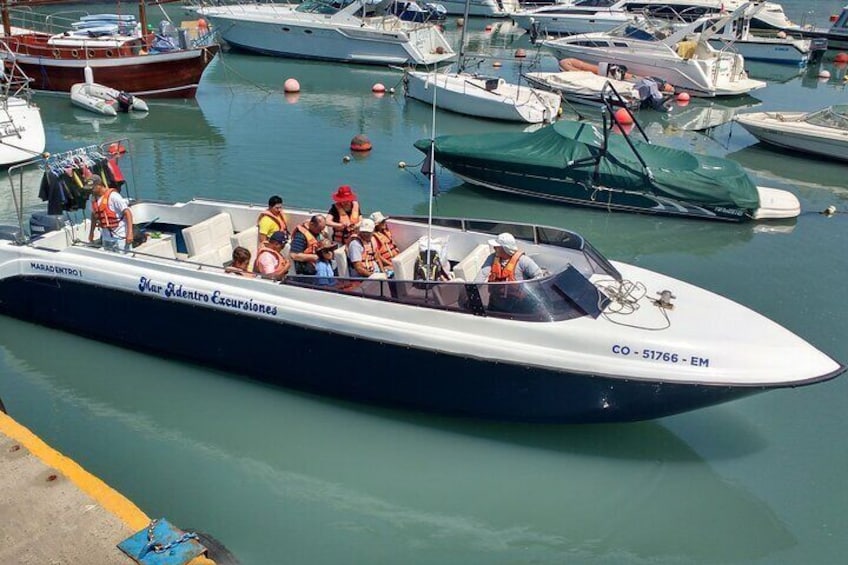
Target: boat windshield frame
(833,117)
(322,7)
(643,29)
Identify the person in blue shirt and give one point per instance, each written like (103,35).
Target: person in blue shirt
(324,270)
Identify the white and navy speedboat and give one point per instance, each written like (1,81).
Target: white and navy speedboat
(590,341)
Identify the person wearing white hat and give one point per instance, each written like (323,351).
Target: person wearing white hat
(362,251)
(383,239)
(507,263)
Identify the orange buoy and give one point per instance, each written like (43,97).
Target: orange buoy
(291,85)
(833,18)
(201,24)
(622,116)
(622,128)
(841,57)
(683,97)
(520,53)
(378,87)
(360,142)
(116,148)
(496,64)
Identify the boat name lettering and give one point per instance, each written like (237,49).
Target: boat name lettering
(55,269)
(658,355)
(172,290)
(241,304)
(730,211)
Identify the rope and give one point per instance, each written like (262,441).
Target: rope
(625,297)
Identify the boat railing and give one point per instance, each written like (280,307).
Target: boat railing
(13,81)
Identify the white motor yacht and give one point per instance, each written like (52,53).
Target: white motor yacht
(589,340)
(823,133)
(580,16)
(679,55)
(486,8)
(353,31)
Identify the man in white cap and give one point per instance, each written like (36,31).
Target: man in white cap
(507,263)
(362,252)
(111,213)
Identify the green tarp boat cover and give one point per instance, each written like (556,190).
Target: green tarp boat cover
(678,174)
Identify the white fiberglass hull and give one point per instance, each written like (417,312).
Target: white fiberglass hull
(769,50)
(488,8)
(283,32)
(625,364)
(787,130)
(585,87)
(561,25)
(468,94)
(21,131)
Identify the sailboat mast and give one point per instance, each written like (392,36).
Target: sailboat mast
(460,61)
(7,24)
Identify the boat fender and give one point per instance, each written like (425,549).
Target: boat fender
(216,551)
(125,101)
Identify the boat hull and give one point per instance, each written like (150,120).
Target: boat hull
(568,25)
(163,75)
(768,51)
(788,135)
(21,132)
(414,378)
(466,94)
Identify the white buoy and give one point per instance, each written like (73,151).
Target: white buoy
(824,74)
(88,74)
(401,165)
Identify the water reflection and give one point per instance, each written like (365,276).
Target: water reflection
(220,453)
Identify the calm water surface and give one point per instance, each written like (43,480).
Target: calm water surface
(282,477)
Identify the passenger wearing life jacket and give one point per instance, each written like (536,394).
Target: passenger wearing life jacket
(111,213)
(241,263)
(506,264)
(362,251)
(270,262)
(383,238)
(304,244)
(271,220)
(344,215)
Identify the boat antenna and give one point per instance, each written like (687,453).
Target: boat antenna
(460,61)
(431,156)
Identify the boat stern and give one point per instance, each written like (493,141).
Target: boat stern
(776,204)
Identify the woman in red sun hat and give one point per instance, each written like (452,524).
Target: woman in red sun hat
(344,215)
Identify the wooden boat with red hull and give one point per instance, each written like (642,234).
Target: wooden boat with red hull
(56,61)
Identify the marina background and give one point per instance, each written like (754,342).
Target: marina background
(280,476)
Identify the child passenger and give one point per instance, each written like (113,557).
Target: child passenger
(324,266)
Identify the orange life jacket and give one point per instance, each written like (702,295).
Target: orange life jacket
(256,264)
(369,254)
(279,220)
(106,217)
(342,236)
(387,246)
(311,240)
(505,273)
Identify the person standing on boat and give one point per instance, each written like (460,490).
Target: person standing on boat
(304,244)
(386,246)
(271,220)
(344,215)
(270,262)
(111,213)
(362,251)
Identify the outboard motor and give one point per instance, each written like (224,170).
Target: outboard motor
(40,223)
(125,101)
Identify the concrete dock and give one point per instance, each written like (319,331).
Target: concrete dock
(52,511)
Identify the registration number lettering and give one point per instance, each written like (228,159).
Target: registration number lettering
(661,356)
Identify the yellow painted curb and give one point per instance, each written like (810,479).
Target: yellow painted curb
(111,500)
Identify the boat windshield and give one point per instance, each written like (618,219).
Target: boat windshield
(561,296)
(321,6)
(646,29)
(833,117)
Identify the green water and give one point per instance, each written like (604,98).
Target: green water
(281,477)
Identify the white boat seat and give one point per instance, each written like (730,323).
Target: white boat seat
(249,239)
(403,264)
(471,264)
(211,257)
(160,247)
(212,234)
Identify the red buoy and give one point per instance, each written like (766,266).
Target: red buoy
(841,57)
(360,142)
(291,85)
(488,27)
(520,53)
(683,97)
(622,117)
(378,88)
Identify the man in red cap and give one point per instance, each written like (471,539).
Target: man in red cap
(344,215)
